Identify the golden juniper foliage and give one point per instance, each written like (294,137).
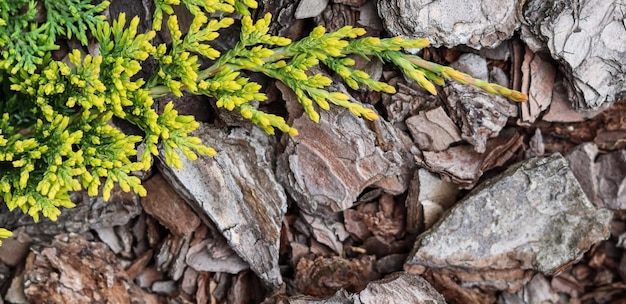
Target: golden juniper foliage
(55,131)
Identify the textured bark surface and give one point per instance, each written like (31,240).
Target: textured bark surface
(239,193)
(74,270)
(588,39)
(400,287)
(330,163)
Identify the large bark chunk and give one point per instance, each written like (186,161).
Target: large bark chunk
(330,163)
(588,39)
(239,193)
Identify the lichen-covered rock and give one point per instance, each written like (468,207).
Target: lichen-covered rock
(237,190)
(533,216)
(449,23)
(588,39)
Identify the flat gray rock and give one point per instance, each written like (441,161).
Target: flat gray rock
(237,190)
(533,216)
(310,8)
(450,23)
(588,39)
(330,163)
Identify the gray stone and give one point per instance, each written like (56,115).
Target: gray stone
(330,163)
(472,64)
(533,216)
(310,8)
(588,39)
(237,190)
(164,287)
(450,23)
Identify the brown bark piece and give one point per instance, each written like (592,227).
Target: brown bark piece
(538,290)
(611,177)
(408,101)
(238,191)
(479,115)
(336,16)
(463,166)
(214,255)
(582,162)
(74,270)
(330,163)
(538,84)
(139,264)
(328,230)
(456,294)
(324,276)
(245,289)
(164,204)
(353,220)
(433,130)
(562,110)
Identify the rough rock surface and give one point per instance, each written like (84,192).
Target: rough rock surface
(451,22)
(400,287)
(588,39)
(330,163)
(239,193)
(533,216)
